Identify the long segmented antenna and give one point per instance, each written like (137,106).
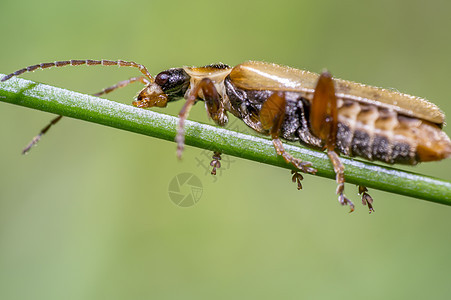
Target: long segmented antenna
(36,139)
(146,79)
(122,84)
(107,90)
(76,62)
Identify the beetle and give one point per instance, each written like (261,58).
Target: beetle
(317,110)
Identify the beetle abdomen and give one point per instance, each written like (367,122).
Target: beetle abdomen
(380,134)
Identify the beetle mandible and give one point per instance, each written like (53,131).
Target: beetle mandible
(319,111)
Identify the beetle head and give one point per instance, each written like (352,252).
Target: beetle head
(168,86)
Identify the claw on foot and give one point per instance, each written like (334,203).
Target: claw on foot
(33,142)
(215,163)
(366,198)
(304,166)
(342,199)
(297,177)
(345,201)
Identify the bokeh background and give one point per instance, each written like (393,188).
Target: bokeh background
(87,214)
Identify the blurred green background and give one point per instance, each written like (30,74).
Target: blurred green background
(87,214)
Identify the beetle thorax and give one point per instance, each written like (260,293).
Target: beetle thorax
(215,75)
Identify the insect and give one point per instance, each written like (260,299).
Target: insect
(319,111)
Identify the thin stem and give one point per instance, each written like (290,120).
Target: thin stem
(59,101)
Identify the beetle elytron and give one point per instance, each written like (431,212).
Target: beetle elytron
(317,110)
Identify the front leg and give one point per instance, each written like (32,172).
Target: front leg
(215,109)
(214,105)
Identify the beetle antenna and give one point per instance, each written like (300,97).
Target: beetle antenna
(36,139)
(146,79)
(76,62)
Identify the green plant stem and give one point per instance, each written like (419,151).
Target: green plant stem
(97,110)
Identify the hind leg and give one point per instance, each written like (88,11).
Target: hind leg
(339,177)
(324,125)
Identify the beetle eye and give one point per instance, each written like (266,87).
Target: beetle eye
(162,78)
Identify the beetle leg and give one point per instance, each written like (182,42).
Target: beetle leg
(366,198)
(303,166)
(213,103)
(339,176)
(272,115)
(107,90)
(212,99)
(215,163)
(297,178)
(324,124)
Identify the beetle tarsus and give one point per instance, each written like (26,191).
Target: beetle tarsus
(304,166)
(215,163)
(339,169)
(342,199)
(366,198)
(33,142)
(297,178)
